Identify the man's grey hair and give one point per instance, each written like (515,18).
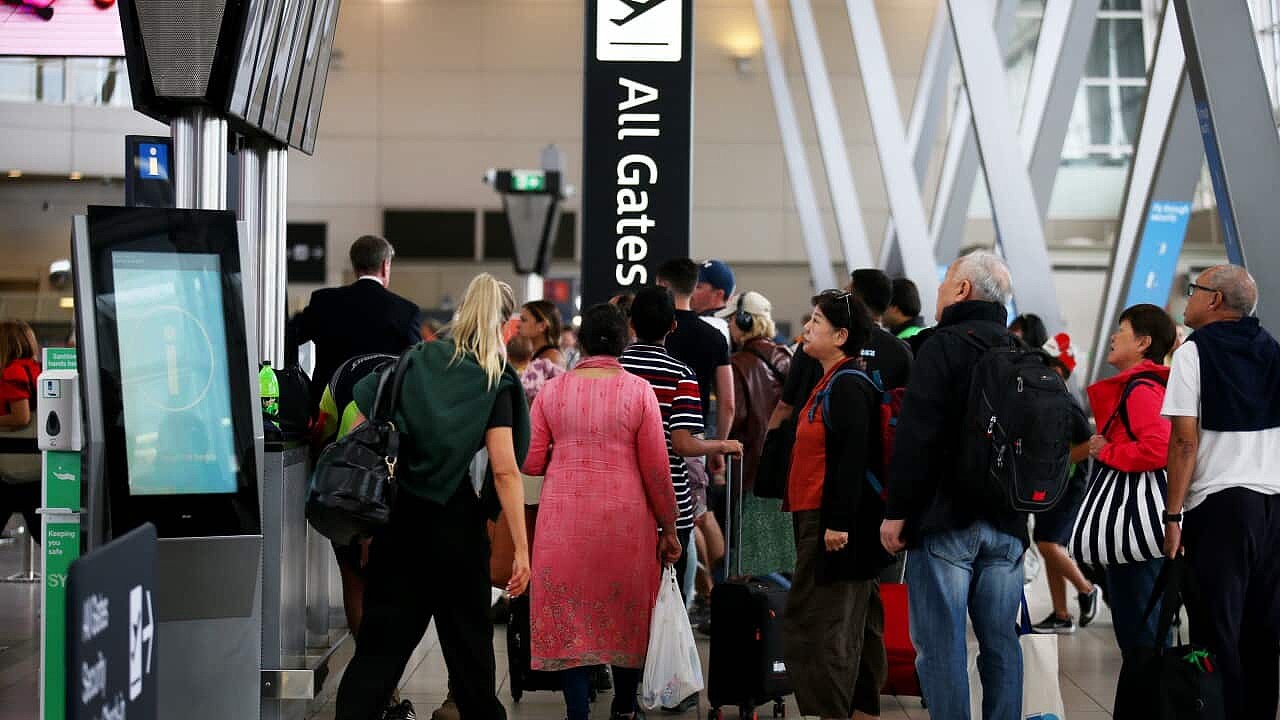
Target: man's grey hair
(988,275)
(1239,291)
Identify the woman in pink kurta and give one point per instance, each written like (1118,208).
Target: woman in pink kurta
(597,437)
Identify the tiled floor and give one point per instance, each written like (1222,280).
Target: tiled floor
(1089,665)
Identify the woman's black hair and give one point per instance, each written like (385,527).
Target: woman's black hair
(1153,322)
(604,330)
(845,310)
(1032,328)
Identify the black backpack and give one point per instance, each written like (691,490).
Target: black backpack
(1017,429)
(353,486)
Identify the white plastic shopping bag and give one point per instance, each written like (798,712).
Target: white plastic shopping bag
(672,669)
(1041,693)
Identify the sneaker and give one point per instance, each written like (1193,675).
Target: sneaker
(1089,603)
(1055,625)
(447,711)
(403,711)
(683,706)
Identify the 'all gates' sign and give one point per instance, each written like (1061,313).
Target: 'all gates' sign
(637,137)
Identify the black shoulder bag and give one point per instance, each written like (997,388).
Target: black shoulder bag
(354,484)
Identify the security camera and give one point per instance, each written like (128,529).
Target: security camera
(60,274)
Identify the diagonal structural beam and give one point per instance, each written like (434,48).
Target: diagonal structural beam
(901,184)
(1019,227)
(1065,36)
(835,157)
(926,117)
(1165,169)
(1233,107)
(960,159)
(815,238)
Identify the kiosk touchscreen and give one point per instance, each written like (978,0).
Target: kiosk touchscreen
(170,339)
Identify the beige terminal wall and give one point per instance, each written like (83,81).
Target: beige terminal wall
(427,94)
(424,95)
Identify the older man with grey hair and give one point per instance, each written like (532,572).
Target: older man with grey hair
(1224,475)
(972,552)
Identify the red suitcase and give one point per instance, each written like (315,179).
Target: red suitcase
(902,678)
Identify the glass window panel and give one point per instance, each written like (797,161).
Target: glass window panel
(1100,115)
(1131,60)
(1131,99)
(113,82)
(1134,5)
(1099,63)
(18,79)
(84,86)
(1117,50)
(51,80)
(1076,145)
(123,96)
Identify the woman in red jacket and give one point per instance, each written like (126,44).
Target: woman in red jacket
(1144,339)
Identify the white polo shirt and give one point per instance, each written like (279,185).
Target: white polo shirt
(1249,460)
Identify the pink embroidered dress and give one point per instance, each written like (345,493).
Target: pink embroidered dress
(608,487)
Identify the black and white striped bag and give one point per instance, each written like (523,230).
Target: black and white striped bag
(1121,519)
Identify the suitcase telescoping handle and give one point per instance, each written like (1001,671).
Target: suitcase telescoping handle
(734,481)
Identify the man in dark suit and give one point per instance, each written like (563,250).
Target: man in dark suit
(361,318)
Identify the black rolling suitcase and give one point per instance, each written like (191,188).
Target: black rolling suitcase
(746,667)
(522,679)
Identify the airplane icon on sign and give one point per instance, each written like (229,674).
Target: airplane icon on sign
(638,8)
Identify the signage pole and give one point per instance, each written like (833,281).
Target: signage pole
(59,521)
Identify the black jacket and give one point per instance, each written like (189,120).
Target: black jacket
(360,318)
(924,488)
(849,504)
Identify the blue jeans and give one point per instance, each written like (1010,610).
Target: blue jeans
(975,571)
(1129,589)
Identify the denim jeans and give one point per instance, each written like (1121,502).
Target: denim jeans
(976,571)
(1129,588)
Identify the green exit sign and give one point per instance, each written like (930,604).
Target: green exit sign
(528,180)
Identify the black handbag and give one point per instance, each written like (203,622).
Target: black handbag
(775,462)
(354,483)
(1171,683)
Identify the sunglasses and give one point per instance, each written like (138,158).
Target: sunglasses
(841,295)
(1193,287)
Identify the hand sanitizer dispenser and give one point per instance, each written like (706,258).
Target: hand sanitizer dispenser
(58,411)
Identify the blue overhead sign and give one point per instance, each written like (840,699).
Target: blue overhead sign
(1158,251)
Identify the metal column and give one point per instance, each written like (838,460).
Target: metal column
(1165,168)
(1233,107)
(901,184)
(960,160)
(815,238)
(926,116)
(1019,227)
(835,154)
(199,159)
(263,201)
(272,264)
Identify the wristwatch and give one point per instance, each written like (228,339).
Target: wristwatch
(1172,517)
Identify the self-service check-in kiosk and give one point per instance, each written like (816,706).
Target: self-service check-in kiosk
(173,436)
